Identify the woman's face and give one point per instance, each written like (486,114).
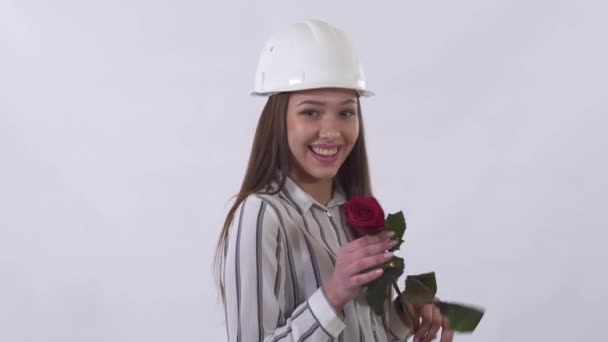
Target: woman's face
(322,128)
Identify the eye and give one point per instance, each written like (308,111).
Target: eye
(347,113)
(310,113)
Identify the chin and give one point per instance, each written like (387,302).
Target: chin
(323,174)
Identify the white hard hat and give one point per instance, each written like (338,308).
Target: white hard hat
(309,55)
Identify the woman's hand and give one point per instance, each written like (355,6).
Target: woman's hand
(352,264)
(431,320)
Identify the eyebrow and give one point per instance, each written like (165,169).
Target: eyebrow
(319,103)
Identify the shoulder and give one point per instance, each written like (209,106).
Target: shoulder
(262,205)
(272,195)
(256,223)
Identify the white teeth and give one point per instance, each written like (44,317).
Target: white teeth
(325,151)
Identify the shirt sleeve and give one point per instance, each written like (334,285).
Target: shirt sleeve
(255,275)
(397,328)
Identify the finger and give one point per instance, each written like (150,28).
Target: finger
(447,335)
(364,278)
(416,309)
(414,312)
(361,264)
(426,314)
(435,325)
(374,248)
(364,241)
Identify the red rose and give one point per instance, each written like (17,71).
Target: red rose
(364,215)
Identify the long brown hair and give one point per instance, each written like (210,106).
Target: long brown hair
(270,153)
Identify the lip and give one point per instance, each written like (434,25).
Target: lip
(328,146)
(323,159)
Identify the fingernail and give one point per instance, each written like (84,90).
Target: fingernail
(389,234)
(388,255)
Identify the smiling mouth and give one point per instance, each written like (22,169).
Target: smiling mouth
(325,151)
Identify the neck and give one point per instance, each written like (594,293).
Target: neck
(319,189)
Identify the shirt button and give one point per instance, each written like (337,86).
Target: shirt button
(328,213)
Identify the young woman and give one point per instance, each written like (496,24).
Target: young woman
(291,269)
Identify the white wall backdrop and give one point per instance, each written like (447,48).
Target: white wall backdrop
(125,127)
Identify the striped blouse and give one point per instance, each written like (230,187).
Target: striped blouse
(280,250)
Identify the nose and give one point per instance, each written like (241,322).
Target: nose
(330,129)
(329,133)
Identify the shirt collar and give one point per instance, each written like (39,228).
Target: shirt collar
(304,201)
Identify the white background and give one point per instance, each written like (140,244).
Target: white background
(125,127)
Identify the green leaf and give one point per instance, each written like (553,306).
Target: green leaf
(420,289)
(463,318)
(427,279)
(376,291)
(398,263)
(395,223)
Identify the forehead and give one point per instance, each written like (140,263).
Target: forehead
(326,95)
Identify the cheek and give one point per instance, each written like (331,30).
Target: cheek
(292,143)
(297,138)
(300,132)
(352,134)
(292,133)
